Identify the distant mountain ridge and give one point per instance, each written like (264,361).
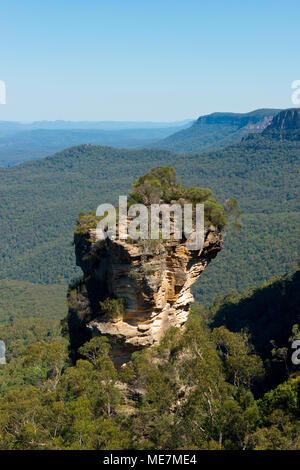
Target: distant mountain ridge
(19,143)
(217,130)
(288,119)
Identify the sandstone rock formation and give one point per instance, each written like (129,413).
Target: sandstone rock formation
(153,281)
(132,291)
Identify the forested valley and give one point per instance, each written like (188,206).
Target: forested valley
(226,381)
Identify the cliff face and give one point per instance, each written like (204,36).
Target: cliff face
(153,279)
(286,120)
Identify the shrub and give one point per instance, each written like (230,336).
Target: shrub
(113,308)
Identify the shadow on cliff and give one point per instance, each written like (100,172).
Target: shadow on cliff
(267,314)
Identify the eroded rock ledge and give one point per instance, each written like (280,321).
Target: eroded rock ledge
(132,291)
(153,281)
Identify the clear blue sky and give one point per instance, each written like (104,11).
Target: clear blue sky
(146,59)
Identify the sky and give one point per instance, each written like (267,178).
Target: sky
(146,60)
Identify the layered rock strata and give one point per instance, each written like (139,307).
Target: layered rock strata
(152,277)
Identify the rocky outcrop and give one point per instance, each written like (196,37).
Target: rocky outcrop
(2,352)
(286,120)
(153,279)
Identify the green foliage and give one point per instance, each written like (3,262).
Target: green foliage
(156,186)
(233,215)
(86,222)
(198,389)
(241,365)
(20,332)
(79,413)
(29,314)
(215,130)
(279,410)
(160,186)
(198,195)
(23,143)
(214,214)
(192,391)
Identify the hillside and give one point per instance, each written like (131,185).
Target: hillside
(217,130)
(41,200)
(202,387)
(8,128)
(19,299)
(31,144)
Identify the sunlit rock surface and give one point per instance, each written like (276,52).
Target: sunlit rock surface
(154,281)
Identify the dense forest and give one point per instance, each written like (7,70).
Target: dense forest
(38,143)
(20,299)
(225,382)
(207,387)
(39,213)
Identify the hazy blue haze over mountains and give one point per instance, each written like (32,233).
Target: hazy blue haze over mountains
(20,142)
(217,130)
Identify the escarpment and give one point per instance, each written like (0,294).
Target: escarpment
(288,119)
(132,291)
